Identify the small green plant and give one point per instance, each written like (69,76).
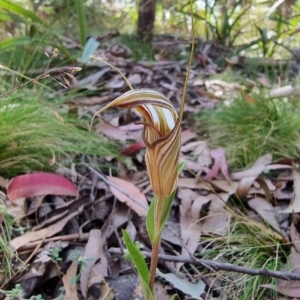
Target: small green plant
(54,253)
(249,130)
(15,293)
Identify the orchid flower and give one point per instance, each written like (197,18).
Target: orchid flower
(161,136)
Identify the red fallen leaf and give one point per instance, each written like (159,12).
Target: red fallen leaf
(133,149)
(38,184)
(219,164)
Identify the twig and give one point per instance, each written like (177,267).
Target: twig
(222,266)
(42,76)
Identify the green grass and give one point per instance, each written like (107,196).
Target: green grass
(248,130)
(248,244)
(36,135)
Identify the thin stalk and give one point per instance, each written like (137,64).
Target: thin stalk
(159,210)
(154,261)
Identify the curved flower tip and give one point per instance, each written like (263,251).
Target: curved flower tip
(161,136)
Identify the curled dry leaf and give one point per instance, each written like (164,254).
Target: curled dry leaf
(23,240)
(39,184)
(128,193)
(266,211)
(258,167)
(93,252)
(219,164)
(217,220)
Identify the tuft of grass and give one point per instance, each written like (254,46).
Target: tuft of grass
(248,130)
(249,244)
(39,136)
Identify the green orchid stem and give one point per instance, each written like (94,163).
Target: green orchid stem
(154,261)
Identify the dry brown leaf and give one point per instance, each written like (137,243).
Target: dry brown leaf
(220,164)
(115,132)
(132,127)
(17,209)
(187,135)
(255,170)
(247,97)
(118,219)
(191,204)
(266,211)
(116,82)
(191,183)
(294,206)
(225,186)
(218,218)
(137,200)
(70,288)
(265,188)
(134,79)
(170,233)
(23,240)
(191,165)
(244,187)
(93,252)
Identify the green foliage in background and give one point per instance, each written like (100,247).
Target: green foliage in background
(252,28)
(248,130)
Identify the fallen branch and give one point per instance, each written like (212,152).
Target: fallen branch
(216,266)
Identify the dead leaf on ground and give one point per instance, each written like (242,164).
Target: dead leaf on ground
(17,209)
(192,183)
(190,207)
(161,291)
(38,184)
(137,200)
(266,210)
(23,240)
(70,287)
(220,164)
(258,167)
(116,133)
(187,135)
(93,252)
(133,149)
(183,285)
(217,220)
